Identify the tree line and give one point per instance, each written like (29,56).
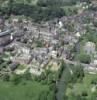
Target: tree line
(36,12)
(43,10)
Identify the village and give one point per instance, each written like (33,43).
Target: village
(40,46)
(48,50)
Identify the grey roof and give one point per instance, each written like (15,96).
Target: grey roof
(8,31)
(13,66)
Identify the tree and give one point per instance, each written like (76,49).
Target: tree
(28,1)
(27,75)
(93,96)
(95,23)
(78,74)
(43,95)
(51,96)
(39,43)
(10,6)
(62,67)
(15,79)
(84,58)
(84,93)
(47,3)
(6,77)
(73,96)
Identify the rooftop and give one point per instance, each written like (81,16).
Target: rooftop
(8,31)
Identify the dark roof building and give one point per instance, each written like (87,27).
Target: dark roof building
(5,33)
(13,66)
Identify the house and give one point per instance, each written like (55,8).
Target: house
(13,66)
(54,54)
(77,35)
(22,59)
(60,24)
(22,55)
(90,47)
(5,36)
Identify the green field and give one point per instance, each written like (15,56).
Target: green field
(29,91)
(84,86)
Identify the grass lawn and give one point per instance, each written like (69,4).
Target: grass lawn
(30,91)
(86,85)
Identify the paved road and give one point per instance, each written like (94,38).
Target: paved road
(61,86)
(87,67)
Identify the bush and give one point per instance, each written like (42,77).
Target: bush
(46,3)
(15,79)
(6,77)
(84,94)
(27,76)
(60,71)
(94,82)
(78,74)
(84,58)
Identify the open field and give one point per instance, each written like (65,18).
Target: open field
(29,91)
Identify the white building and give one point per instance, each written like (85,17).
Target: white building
(90,48)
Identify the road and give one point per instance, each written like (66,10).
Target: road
(61,84)
(87,67)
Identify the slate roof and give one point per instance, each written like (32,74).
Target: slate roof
(5,32)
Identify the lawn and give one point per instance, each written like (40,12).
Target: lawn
(86,85)
(29,91)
